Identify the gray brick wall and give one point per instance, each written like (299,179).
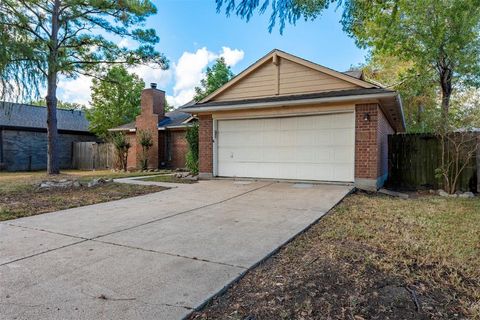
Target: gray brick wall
(27,150)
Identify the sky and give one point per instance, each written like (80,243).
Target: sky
(192,35)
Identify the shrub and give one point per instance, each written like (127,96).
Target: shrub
(121,144)
(145,140)
(192,154)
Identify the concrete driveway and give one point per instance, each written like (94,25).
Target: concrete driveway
(156,256)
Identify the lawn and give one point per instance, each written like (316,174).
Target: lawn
(372,257)
(20,195)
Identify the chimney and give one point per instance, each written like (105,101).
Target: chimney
(153,101)
(152,111)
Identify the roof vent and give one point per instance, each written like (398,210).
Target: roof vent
(153,85)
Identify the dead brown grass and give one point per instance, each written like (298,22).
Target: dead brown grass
(20,195)
(373,257)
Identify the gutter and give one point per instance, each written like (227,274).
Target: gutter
(262,105)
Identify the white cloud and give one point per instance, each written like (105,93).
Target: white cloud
(151,74)
(232,56)
(190,70)
(75,90)
(185,74)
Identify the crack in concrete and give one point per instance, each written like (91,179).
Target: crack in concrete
(43,252)
(47,231)
(172,254)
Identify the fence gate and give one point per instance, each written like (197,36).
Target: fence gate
(93,156)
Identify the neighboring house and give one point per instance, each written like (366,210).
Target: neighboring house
(23,136)
(168,131)
(288,118)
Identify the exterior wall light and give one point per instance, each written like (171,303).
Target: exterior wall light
(366,116)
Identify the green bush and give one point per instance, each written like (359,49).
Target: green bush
(122,144)
(192,154)
(146,141)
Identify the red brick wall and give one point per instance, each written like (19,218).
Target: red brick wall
(384,129)
(371,142)
(132,152)
(179,148)
(205,141)
(162,151)
(152,106)
(366,149)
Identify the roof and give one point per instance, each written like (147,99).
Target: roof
(307,96)
(360,91)
(349,76)
(35,117)
(172,119)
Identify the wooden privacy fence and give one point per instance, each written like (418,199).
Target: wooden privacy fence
(93,155)
(413,159)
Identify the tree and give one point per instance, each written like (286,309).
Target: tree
(419,94)
(168,107)
(440,37)
(216,76)
(115,100)
(146,142)
(42,40)
(122,145)
(60,105)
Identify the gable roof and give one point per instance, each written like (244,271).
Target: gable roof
(349,77)
(35,117)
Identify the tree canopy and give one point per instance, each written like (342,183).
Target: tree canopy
(42,40)
(438,41)
(60,104)
(215,77)
(115,100)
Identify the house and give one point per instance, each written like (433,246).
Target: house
(168,130)
(288,118)
(23,136)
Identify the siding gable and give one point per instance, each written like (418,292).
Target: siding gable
(280,76)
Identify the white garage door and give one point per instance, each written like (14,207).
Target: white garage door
(319,147)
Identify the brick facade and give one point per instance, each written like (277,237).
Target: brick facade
(205,145)
(384,129)
(178,148)
(152,110)
(371,146)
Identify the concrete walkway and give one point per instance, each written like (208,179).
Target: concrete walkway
(156,256)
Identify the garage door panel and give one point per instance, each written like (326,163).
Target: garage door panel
(317,147)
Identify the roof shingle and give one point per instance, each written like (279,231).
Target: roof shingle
(29,116)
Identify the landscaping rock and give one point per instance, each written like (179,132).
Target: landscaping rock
(99,181)
(192,178)
(181,175)
(467,195)
(443,193)
(60,184)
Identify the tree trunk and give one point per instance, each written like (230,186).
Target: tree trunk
(53,166)
(446,84)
